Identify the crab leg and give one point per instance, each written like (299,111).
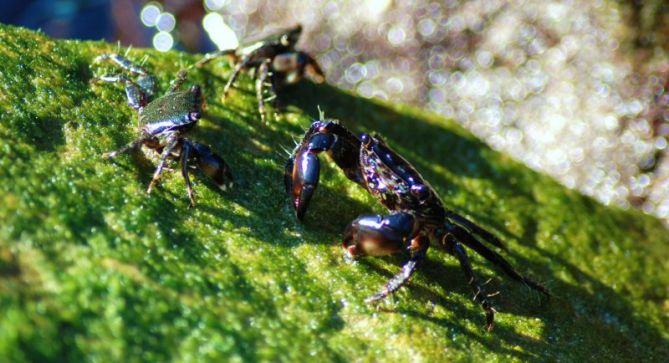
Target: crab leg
(235,73)
(466,238)
(263,72)
(172,141)
(122,62)
(311,68)
(185,156)
(181,78)
(473,227)
(480,295)
(137,98)
(144,86)
(126,148)
(401,278)
(211,56)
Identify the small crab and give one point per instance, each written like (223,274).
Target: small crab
(417,220)
(164,121)
(273,57)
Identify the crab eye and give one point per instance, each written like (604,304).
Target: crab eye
(366,139)
(194,116)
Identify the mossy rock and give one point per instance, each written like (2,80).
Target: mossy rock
(94,269)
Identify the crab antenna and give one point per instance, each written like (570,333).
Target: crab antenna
(321,113)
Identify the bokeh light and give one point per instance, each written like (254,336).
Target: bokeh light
(165,22)
(163,41)
(219,32)
(150,13)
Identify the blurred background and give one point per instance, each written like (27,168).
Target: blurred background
(575,89)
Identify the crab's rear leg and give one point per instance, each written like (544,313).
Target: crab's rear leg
(470,241)
(480,296)
(263,73)
(474,228)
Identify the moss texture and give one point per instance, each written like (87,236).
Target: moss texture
(94,269)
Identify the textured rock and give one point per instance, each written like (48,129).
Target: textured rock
(94,269)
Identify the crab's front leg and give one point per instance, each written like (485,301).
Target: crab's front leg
(138,92)
(178,81)
(302,169)
(172,140)
(185,156)
(134,144)
(211,56)
(310,67)
(122,62)
(376,235)
(137,98)
(235,73)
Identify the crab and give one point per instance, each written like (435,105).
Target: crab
(163,122)
(273,58)
(417,219)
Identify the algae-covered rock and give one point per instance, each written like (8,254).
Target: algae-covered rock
(94,269)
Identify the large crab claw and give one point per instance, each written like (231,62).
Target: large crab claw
(211,164)
(376,235)
(303,171)
(303,167)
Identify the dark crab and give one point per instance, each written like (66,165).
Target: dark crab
(417,220)
(164,121)
(274,58)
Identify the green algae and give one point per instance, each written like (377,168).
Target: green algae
(93,269)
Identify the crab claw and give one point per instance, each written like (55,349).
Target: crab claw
(213,165)
(376,235)
(305,172)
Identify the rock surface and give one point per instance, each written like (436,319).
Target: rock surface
(94,269)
